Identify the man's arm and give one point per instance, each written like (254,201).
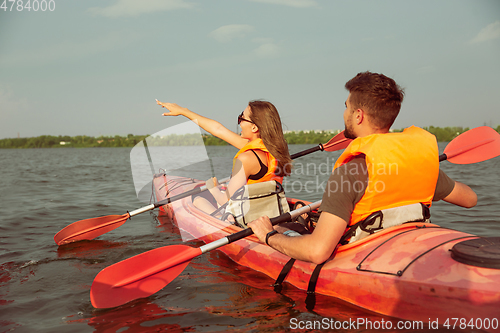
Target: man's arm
(454,192)
(316,247)
(462,195)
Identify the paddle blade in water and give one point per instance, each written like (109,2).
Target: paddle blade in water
(476,145)
(338,142)
(89,228)
(140,276)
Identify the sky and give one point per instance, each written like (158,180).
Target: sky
(96,67)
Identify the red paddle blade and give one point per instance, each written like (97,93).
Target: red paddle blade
(140,276)
(476,145)
(89,228)
(338,142)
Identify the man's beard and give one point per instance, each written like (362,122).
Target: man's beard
(348,133)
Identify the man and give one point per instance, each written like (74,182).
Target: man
(379,170)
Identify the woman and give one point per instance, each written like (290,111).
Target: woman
(263,152)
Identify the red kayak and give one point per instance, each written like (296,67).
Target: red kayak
(415,271)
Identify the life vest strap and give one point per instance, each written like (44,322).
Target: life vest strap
(384,219)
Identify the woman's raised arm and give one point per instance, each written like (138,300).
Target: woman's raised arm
(211,126)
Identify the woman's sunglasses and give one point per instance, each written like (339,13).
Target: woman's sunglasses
(240,119)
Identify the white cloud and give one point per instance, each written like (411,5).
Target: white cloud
(492,31)
(127,8)
(267,50)
(291,3)
(227,33)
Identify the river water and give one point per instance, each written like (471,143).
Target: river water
(45,288)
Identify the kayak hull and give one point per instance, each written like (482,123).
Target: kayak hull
(404,272)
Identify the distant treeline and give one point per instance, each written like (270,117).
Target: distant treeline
(445,134)
(81,141)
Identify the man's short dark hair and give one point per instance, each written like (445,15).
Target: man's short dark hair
(378,95)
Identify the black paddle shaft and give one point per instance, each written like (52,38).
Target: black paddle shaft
(179,196)
(247,232)
(307,151)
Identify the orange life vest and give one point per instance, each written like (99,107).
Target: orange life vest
(402,169)
(272,163)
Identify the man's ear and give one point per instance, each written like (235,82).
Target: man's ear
(360,116)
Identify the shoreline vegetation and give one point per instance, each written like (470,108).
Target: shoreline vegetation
(443,134)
